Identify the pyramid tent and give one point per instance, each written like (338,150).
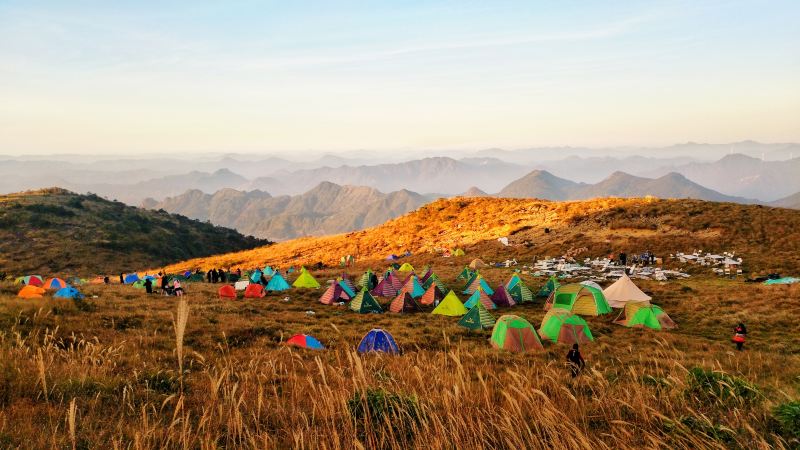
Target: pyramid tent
(427,274)
(520,293)
(580,299)
(345,278)
(560,325)
(68,292)
(305,341)
(501,297)
(645,315)
(368,280)
(465,274)
(406,267)
(31,291)
(479,282)
(378,340)
(450,306)
(477,263)
(389,286)
(513,281)
(365,303)
(404,303)
(334,294)
(434,279)
(551,285)
(241,285)
(277,283)
(351,291)
(255,277)
(254,290)
(477,318)
(479,297)
(227,291)
(269,271)
(55,283)
(131,278)
(305,280)
(431,296)
(413,287)
(515,334)
(458,252)
(624,291)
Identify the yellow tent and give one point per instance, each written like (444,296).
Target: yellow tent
(477,264)
(458,252)
(450,306)
(305,280)
(406,267)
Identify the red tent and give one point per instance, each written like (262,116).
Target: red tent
(227,291)
(254,290)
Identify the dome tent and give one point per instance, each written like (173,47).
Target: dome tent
(579,299)
(378,340)
(515,334)
(562,326)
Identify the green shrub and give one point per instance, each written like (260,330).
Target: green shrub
(788,415)
(374,409)
(709,386)
(698,425)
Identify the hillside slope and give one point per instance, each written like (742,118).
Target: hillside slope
(792,201)
(57,231)
(326,209)
(768,238)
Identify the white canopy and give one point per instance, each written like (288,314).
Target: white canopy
(624,291)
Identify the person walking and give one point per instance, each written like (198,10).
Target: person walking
(575,361)
(739,336)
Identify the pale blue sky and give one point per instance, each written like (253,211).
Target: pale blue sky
(148,76)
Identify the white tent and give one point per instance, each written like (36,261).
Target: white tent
(241,285)
(624,291)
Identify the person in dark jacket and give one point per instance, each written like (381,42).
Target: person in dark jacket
(122,278)
(148,285)
(208,276)
(575,361)
(221,273)
(263,279)
(739,336)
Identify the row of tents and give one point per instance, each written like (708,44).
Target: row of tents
(36,288)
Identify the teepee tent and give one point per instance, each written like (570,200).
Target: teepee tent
(434,279)
(426,274)
(277,283)
(515,334)
(520,293)
(365,303)
(431,296)
(404,303)
(501,297)
(548,288)
(560,325)
(477,318)
(368,280)
(334,294)
(450,306)
(624,291)
(478,282)
(305,280)
(389,286)
(580,299)
(413,287)
(479,297)
(255,277)
(645,315)
(465,274)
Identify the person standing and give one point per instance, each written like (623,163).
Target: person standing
(148,285)
(122,278)
(575,361)
(739,336)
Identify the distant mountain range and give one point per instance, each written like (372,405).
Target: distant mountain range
(792,201)
(328,208)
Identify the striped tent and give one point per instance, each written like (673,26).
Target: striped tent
(477,318)
(501,297)
(404,303)
(431,296)
(480,297)
(334,294)
(520,293)
(365,303)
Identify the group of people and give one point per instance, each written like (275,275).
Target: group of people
(647,258)
(220,276)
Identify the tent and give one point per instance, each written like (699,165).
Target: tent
(368,280)
(624,291)
(480,297)
(378,340)
(431,296)
(269,271)
(138,284)
(458,252)
(392,257)
(413,287)
(75,281)
(645,315)
(131,278)
(591,283)
(404,303)
(579,299)
(31,291)
(784,280)
(478,282)
(406,267)
(68,292)
(426,274)
(551,285)
(348,288)
(389,286)
(241,285)
(365,303)
(434,279)
(30,280)
(501,297)
(515,334)
(255,277)
(254,290)
(305,280)
(520,293)
(55,283)
(465,274)
(513,281)
(277,283)
(334,294)
(560,325)
(477,263)
(345,278)
(450,306)
(227,291)
(477,318)
(305,341)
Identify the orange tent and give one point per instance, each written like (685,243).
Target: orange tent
(55,283)
(31,292)
(254,290)
(227,291)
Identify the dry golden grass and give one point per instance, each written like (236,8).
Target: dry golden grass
(104,374)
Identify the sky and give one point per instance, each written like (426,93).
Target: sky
(123,77)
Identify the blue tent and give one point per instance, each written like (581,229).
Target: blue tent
(68,292)
(256,276)
(269,271)
(378,340)
(187,274)
(277,283)
(131,278)
(347,289)
(392,257)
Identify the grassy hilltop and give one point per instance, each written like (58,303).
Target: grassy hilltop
(57,231)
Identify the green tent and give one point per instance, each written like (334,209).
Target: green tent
(305,280)
(580,299)
(477,318)
(515,334)
(645,315)
(465,274)
(365,303)
(548,288)
(520,292)
(450,306)
(434,279)
(368,280)
(560,325)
